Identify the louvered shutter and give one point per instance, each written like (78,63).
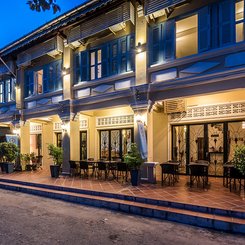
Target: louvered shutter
(77,71)
(169,39)
(104,53)
(227,22)
(204,29)
(46,79)
(84,65)
(156,39)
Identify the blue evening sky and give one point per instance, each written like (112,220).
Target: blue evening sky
(16,19)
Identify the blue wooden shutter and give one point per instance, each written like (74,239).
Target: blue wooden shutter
(123,52)
(58,75)
(131,53)
(214,24)
(84,65)
(29,83)
(227,22)
(51,72)
(46,79)
(104,63)
(114,57)
(203,29)
(169,39)
(156,39)
(12,86)
(77,71)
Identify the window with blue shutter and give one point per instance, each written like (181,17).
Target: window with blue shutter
(169,40)
(29,83)
(84,66)
(227,22)
(214,25)
(112,58)
(77,70)
(203,29)
(104,62)
(45,79)
(156,40)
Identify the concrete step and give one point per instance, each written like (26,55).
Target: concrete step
(181,215)
(164,203)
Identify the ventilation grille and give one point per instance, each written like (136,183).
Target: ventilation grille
(231,110)
(174,106)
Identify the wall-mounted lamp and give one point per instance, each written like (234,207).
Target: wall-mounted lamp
(64,126)
(140,48)
(243,125)
(65,71)
(16,131)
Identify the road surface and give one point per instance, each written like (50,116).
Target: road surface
(27,219)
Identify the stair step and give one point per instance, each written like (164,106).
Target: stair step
(218,222)
(136,199)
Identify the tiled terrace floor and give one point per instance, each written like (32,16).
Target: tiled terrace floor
(215,196)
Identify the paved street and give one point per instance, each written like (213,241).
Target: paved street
(26,219)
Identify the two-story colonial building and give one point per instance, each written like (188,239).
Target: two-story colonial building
(96,78)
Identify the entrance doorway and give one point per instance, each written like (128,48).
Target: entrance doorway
(36,144)
(115,143)
(215,142)
(83,145)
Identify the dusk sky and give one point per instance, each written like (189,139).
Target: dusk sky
(16,19)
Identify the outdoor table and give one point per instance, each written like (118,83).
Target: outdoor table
(199,170)
(170,172)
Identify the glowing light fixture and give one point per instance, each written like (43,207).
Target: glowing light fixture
(140,48)
(243,125)
(65,71)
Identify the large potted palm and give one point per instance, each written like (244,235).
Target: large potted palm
(56,154)
(133,160)
(8,153)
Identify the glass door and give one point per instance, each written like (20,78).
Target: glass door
(235,137)
(216,148)
(83,145)
(179,146)
(115,143)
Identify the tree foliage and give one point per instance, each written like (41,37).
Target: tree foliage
(43,5)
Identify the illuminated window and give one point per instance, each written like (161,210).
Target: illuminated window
(186,36)
(240,21)
(1,93)
(8,90)
(95,64)
(38,78)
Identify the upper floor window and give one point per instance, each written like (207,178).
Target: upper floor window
(186,36)
(43,79)
(115,57)
(1,92)
(239,21)
(7,91)
(216,25)
(95,64)
(38,82)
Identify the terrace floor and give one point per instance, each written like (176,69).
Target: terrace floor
(215,196)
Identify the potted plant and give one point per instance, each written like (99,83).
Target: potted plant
(133,160)
(56,154)
(239,159)
(25,161)
(8,153)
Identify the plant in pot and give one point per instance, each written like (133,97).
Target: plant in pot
(56,154)
(133,160)
(239,159)
(25,161)
(8,153)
